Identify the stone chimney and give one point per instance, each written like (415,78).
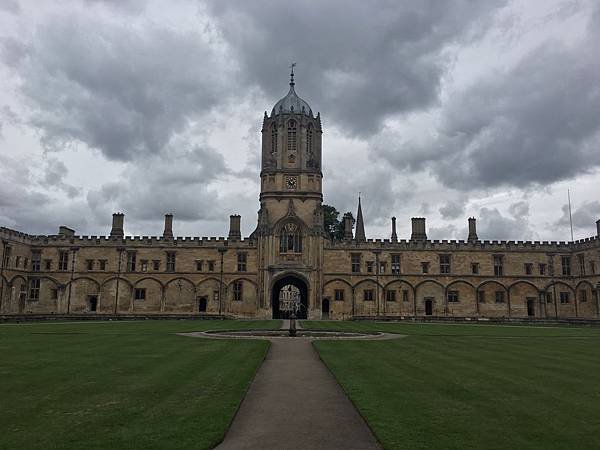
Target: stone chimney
(235,232)
(598,228)
(418,229)
(472,230)
(117,226)
(168,232)
(348,227)
(394,235)
(65,231)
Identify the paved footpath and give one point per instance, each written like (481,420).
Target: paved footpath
(295,403)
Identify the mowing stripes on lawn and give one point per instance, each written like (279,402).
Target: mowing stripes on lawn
(122,385)
(469,390)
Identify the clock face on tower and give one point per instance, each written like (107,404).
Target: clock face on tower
(291,183)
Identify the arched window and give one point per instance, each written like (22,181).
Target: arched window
(291,137)
(309,139)
(290,240)
(274,138)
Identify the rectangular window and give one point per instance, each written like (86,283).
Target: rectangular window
(102,263)
(7,252)
(339,295)
(144,265)
(481,297)
(498,265)
(452,296)
(565,262)
(47,264)
(542,269)
(445,264)
(238,288)
(36,261)
(89,264)
(390,295)
(34,289)
(131,257)
(199,265)
(499,296)
(63,260)
(355,263)
(405,295)
(396,264)
(564,297)
(581,260)
(156,264)
(170,261)
(382,267)
(548,297)
(583,295)
(425,267)
(369,266)
(528,269)
(368,295)
(211,266)
(140,293)
(242,259)
(475,268)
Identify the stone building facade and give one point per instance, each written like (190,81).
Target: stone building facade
(290,255)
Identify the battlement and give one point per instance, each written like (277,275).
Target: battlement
(448,245)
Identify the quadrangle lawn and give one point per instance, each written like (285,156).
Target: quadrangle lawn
(470,386)
(122,384)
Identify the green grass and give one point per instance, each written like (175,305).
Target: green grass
(103,385)
(469,386)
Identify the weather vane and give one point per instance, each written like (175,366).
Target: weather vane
(292,74)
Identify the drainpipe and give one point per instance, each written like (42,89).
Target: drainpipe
(377,281)
(120,250)
(4,244)
(222,252)
(74,250)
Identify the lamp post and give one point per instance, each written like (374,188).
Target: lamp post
(120,250)
(74,250)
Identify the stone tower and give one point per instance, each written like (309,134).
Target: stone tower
(290,219)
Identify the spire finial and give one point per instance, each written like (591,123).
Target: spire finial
(292,73)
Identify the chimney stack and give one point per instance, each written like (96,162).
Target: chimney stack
(598,228)
(117,226)
(348,227)
(394,235)
(65,231)
(235,232)
(168,232)
(472,230)
(418,229)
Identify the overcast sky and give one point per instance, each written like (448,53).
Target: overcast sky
(442,109)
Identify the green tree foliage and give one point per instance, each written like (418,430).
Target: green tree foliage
(334,224)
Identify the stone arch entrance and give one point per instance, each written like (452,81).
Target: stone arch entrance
(325,309)
(281,289)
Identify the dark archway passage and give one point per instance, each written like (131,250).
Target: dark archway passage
(325,309)
(289,280)
(428,307)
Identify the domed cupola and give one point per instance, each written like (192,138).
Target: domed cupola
(291,103)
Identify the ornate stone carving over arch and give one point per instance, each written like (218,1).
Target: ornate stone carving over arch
(290,238)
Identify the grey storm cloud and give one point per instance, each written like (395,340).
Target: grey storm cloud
(363,62)
(121,88)
(584,216)
(492,224)
(452,210)
(534,124)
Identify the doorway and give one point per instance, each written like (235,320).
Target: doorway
(93,302)
(325,309)
(530,307)
(288,293)
(428,306)
(202,304)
